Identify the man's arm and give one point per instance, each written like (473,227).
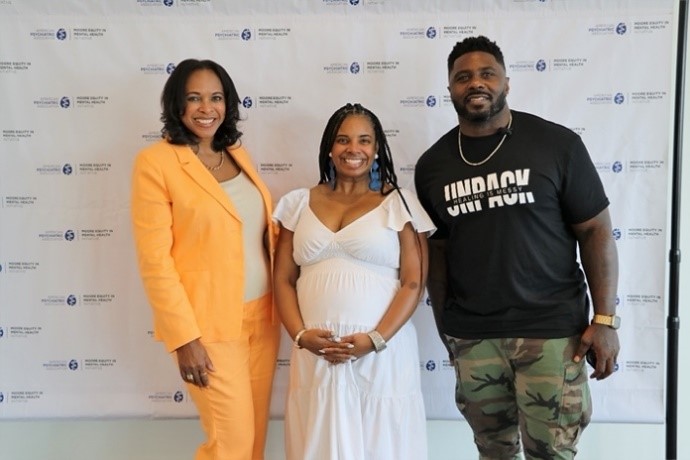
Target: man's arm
(437,283)
(599,259)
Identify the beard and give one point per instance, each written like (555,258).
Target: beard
(485,115)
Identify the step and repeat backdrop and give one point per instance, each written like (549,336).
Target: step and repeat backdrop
(80,84)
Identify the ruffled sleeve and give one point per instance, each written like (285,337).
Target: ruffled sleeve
(398,214)
(290,207)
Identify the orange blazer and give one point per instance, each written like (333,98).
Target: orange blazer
(189,244)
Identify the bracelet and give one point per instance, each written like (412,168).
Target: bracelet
(299,336)
(378,340)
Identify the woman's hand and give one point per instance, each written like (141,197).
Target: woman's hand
(326,344)
(361,344)
(194,363)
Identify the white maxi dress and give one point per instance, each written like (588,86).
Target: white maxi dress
(371,408)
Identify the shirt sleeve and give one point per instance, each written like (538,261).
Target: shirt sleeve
(290,207)
(582,195)
(399,214)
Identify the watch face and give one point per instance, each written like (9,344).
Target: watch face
(616,322)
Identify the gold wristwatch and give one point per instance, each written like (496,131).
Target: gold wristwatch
(612,321)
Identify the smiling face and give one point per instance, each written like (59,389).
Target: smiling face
(354,148)
(204,109)
(478,86)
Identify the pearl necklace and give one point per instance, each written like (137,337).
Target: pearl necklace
(212,168)
(479,163)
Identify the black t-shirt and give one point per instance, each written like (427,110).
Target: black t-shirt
(511,252)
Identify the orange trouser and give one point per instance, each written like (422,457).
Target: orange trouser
(234,408)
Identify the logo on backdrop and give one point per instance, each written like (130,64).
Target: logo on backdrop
(14,66)
(178,397)
(59,34)
(17,135)
(21,267)
(355,68)
(22,332)
(81,169)
(429,101)
(430,365)
(2,397)
(157,68)
(418,33)
(266,102)
(528,65)
(246,34)
(66,102)
(87,234)
(457,32)
(18,201)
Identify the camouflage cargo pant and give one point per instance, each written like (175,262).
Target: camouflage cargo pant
(510,390)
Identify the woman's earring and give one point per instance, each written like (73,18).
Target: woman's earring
(332,173)
(375,176)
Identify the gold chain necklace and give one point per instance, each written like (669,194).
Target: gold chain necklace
(479,163)
(212,168)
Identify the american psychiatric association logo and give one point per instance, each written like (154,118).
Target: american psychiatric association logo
(170,67)
(65,102)
(430,365)
(617,166)
(431,101)
(178,397)
(431,32)
(355,68)
(540,65)
(2,397)
(67,169)
(247,102)
(73,365)
(61,34)
(246,34)
(617,234)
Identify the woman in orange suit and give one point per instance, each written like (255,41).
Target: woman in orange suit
(203,232)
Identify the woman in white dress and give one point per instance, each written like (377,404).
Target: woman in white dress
(350,270)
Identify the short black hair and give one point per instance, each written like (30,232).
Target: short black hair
(173,103)
(470,44)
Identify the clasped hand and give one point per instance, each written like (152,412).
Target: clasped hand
(334,349)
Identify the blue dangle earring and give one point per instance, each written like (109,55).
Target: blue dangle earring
(375,176)
(332,173)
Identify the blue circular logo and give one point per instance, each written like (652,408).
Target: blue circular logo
(178,397)
(354,2)
(0,268)
(69,235)
(428,301)
(2,397)
(621,28)
(616,232)
(168,2)
(61,34)
(73,365)
(355,68)
(431,32)
(618,300)
(540,65)
(65,102)
(67,169)
(2,332)
(170,67)
(430,365)
(246,34)
(617,166)
(619,98)
(247,102)
(431,101)
(71,300)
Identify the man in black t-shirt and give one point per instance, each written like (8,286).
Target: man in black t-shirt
(514,197)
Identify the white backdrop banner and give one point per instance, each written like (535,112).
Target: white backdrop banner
(81,82)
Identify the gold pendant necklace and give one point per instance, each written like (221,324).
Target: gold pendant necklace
(479,163)
(216,167)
